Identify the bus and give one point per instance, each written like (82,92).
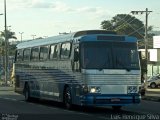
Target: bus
(85,68)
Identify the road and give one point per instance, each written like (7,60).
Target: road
(12,105)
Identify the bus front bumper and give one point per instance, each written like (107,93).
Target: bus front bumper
(110,100)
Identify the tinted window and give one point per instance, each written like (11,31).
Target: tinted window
(43,52)
(26,56)
(19,55)
(35,54)
(109,55)
(65,50)
(54,52)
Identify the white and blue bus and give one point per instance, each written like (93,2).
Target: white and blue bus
(86,68)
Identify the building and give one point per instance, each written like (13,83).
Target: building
(153,65)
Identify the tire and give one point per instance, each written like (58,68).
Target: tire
(116,108)
(27,93)
(153,85)
(68,98)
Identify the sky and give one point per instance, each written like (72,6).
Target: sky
(51,17)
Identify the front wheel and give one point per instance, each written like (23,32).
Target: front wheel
(68,98)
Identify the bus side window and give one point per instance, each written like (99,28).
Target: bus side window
(44,52)
(65,50)
(19,55)
(54,52)
(26,54)
(35,54)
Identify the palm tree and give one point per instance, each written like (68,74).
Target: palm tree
(10,34)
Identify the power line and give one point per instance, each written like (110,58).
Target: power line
(119,27)
(120,21)
(125,22)
(136,31)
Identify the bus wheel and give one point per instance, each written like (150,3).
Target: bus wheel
(27,93)
(68,98)
(116,108)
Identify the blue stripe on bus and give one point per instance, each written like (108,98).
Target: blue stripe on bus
(106,99)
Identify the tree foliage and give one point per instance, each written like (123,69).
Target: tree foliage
(10,35)
(125,24)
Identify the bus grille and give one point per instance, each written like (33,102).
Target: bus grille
(113,79)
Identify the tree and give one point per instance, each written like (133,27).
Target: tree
(10,35)
(125,24)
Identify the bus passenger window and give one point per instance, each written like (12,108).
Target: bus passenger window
(26,55)
(35,54)
(19,55)
(54,52)
(65,50)
(43,52)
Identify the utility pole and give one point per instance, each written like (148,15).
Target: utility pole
(21,35)
(6,44)
(147,12)
(33,36)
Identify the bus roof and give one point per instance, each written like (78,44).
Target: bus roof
(60,38)
(91,35)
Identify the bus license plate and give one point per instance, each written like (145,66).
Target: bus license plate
(115,100)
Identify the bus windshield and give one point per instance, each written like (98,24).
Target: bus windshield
(109,55)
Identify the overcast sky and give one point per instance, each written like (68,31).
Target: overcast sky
(49,17)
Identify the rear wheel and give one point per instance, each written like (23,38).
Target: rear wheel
(68,98)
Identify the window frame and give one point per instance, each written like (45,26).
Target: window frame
(31,57)
(70,49)
(56,47)
(42,58)
(18,54)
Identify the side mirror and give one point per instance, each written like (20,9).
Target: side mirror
(76,56)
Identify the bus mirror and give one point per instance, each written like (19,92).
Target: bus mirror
(76,56)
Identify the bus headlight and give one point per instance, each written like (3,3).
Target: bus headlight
(95,89)
(132,89)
